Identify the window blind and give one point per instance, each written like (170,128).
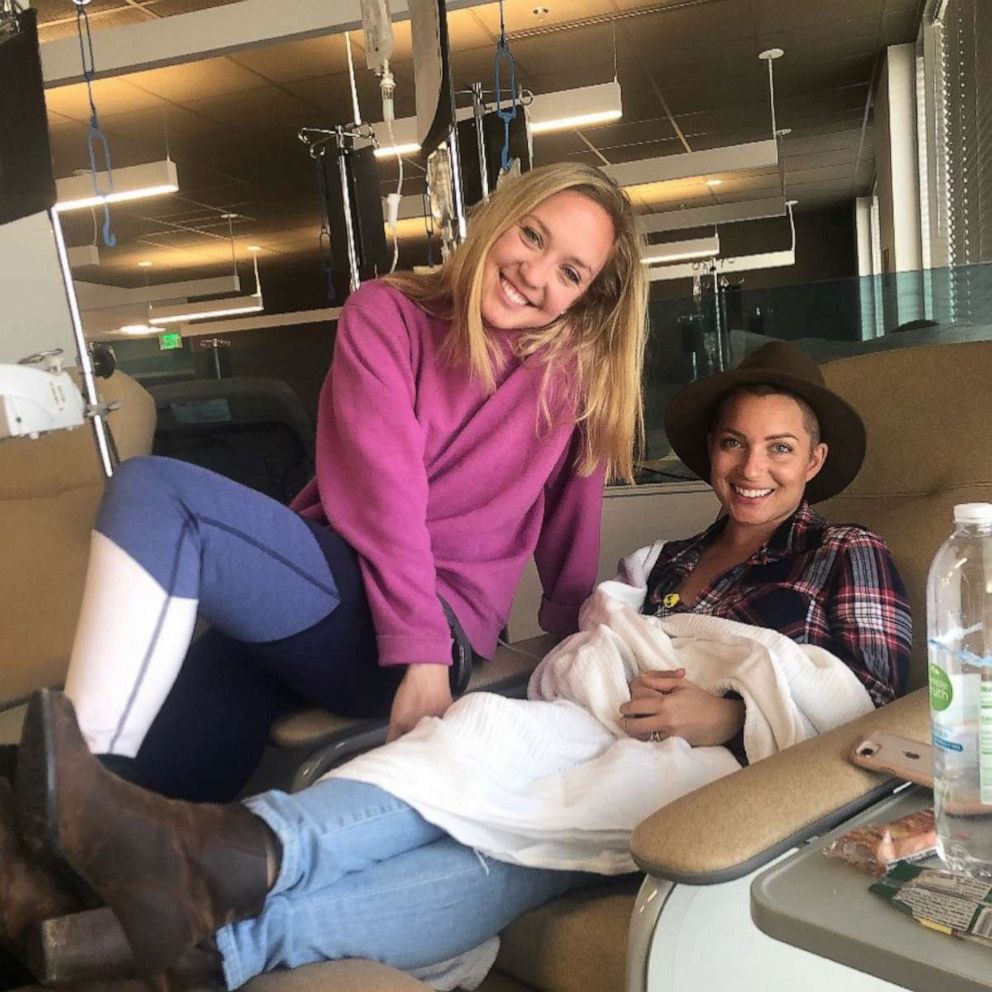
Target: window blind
(963,137)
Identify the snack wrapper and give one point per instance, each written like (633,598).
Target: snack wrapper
(876,846)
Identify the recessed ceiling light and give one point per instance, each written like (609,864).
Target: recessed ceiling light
(145,264)
(714,182)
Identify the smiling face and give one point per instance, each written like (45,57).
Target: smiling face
(761,457)
(544,263)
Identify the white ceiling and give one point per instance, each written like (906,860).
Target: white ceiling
(688,69)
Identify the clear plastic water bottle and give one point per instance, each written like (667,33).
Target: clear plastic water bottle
(959,636)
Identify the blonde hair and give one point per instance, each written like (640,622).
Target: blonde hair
(600,338)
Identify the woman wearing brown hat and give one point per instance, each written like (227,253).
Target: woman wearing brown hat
(344,869)
(771,439)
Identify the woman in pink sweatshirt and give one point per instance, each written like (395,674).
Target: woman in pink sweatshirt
(468,421)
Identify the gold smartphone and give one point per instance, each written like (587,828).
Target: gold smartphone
(909,760)
(895,755)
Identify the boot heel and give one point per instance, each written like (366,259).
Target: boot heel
(37,790)
(83,947)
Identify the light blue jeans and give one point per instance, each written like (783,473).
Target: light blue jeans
(363,875)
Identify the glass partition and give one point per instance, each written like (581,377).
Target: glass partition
(689,337)
(692,337)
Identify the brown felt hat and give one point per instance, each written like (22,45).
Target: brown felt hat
(690,412)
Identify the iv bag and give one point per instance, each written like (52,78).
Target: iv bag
(378,28)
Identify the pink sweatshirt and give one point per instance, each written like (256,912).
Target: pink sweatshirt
(443,490)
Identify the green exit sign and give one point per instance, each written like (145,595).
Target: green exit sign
(167,342)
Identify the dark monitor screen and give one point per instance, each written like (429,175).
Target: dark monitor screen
(27,185)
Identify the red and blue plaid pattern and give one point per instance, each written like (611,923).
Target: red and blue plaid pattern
(832,586)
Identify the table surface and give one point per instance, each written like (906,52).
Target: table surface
(823,905)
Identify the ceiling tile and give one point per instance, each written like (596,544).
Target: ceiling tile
(298,60)
(113,14)
(817,143)
(717,92)
(179,83)
(628,132)
(900,26)
(519,15)
(784,15)
(586,46)
(111,96)
(685,28)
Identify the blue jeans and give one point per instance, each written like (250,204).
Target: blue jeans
(363,875)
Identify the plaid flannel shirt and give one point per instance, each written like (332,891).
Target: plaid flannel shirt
(832,586)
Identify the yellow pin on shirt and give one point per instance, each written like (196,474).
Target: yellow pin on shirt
(670,600)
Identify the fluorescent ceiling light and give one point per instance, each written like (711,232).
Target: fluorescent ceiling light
(688,165)
(137,329)
(176,313)
(582,107)
(403,140)
(391,151)
(721,213)
(134,182)
(95,296)
(742,263)
(83,256)
(682,251)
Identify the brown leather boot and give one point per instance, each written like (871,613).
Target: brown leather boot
(28,892)
(172,872)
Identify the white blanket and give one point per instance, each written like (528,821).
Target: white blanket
(554,781)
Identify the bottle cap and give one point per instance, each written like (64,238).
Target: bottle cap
(973,513)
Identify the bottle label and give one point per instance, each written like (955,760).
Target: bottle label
(941,692)
(955,715)
(985,744)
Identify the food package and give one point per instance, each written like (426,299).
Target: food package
(876,846)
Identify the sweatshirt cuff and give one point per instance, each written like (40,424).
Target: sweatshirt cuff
(401,649)
(558,618)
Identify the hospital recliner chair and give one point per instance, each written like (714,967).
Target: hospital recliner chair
(50,488)
(929,447)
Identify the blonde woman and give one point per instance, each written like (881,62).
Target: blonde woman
(467,423)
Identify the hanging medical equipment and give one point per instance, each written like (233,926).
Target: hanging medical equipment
(351,240)
(35,400)
(94,133)
(348,178)
(9,25)
(485,132)
(437,131)
(505,62)
(378,29)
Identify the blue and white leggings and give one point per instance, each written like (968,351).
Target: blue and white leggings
(289,625)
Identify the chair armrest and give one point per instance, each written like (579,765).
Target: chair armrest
(731,827)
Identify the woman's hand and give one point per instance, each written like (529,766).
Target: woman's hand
(668,704)
(424,691)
